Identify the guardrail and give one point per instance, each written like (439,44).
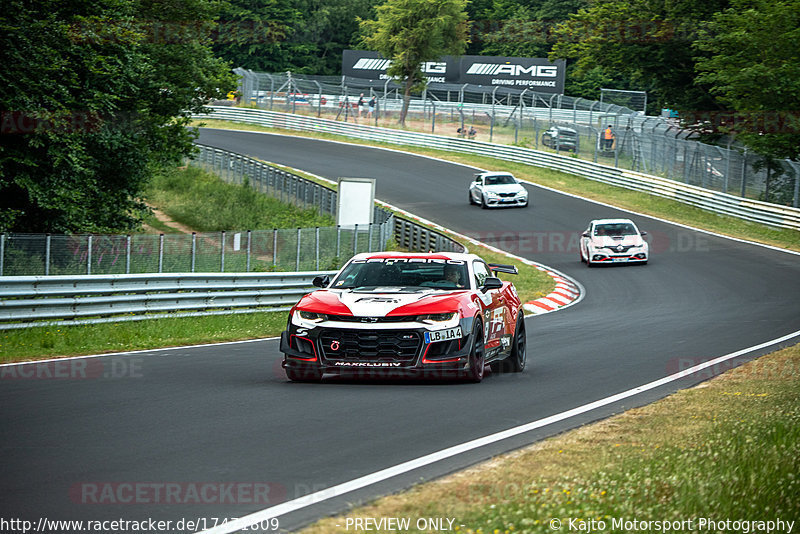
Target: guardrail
(27,301)
(278,183)
(743,208)
(412,236)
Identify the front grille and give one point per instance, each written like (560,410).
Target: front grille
(370,345)
(507,195)
(620,249)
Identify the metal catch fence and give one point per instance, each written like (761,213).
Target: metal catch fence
(542,121)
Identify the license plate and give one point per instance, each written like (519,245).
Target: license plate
(443,335)
(619,259)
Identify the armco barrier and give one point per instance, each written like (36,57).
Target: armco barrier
(750,210)
(71,300)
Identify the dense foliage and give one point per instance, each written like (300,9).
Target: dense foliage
(303,36)
(750,57)
(95,95)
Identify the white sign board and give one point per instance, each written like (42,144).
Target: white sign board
(355,201)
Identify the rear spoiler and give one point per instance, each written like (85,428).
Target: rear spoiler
(500,268)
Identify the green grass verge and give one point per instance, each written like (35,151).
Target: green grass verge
(728,449)
(200,200)
(617,196)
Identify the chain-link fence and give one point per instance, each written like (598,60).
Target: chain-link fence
(247,251)
(543,121)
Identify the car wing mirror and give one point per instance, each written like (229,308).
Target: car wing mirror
(491,282)
(321,281)
(643,233)
(585,234)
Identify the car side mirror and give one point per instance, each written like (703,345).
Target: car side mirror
(643,233)
(585,234)
(321,281)
(490,283)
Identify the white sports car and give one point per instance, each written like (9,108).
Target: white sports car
(613,241)
(495,189)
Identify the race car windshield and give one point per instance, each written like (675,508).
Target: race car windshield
(402,276)
(504,179)
(619,229)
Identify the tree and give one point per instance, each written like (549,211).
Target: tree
(647,42)
(750,57)
(97,95)
(304,36)
(523,28)
(410,32)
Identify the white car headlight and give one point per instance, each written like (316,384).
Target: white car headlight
(440,320)
(301,318)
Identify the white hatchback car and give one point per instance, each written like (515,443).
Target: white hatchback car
(496,189)
(613,241)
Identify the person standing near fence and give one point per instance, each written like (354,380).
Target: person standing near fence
(362,105)
(608,138)
(371,106)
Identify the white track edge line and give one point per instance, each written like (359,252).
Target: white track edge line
(422,461)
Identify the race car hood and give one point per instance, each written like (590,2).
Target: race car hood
(625,241)
(381,302)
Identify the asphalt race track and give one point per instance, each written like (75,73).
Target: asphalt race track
(194,418)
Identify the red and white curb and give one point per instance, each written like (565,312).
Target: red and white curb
(565,294)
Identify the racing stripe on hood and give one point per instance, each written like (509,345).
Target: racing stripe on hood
(380,303)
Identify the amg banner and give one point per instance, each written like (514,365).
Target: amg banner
(538,74)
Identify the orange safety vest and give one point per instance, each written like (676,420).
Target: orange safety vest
(608,134)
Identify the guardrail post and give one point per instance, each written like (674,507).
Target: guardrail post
(249,244)
(297,262)
(744,172)
(47,255)
(194,250)
(222,252)
(160,253)
(89,255)
(316,247)
(128,254)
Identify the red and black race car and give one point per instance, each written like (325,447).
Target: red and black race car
(437,314)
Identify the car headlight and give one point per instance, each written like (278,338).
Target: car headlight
(491,195)
(439,319)
(301,316)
